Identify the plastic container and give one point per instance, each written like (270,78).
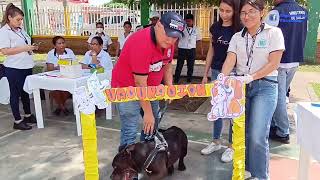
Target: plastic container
(69,68)
(71,71)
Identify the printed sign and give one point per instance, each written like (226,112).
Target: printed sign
(226,95)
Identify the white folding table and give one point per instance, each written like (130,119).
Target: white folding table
(52,81)
(308,128)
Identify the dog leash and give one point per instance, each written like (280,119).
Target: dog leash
(162,111)
(160,143)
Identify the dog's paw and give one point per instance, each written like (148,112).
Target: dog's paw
(181,167)
(170,170)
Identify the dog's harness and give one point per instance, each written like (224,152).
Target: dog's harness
(160,146)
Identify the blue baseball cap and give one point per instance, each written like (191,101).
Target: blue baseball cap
(173,24)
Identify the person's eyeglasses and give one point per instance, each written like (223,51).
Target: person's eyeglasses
(94,44)
(251,14)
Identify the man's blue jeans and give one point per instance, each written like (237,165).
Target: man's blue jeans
(280,117)
(218,124)
(130,117)
(261,102)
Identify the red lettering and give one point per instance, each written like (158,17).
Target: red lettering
(121,94)
(111,94)
(191,90)
(141,93)
(182,91)
(171,91)
(201,90)
(131,93)
(160,91)
(151,92)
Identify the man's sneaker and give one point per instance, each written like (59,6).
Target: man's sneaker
(247,175)
(21,126)
(31,119)
(210,148)
(284,140)
(227,155)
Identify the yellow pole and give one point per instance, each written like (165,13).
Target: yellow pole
(66,18)
(239,143)
(90,149)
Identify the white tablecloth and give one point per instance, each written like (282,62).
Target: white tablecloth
(53,81)
(308,128)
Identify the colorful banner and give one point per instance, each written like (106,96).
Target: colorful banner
(160,92)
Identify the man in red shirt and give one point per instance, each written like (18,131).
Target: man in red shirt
(145,60)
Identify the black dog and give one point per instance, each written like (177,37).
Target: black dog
(130,161)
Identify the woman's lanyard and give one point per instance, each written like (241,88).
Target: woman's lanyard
(21,36)
(250,51)
(190,31)
(55,53)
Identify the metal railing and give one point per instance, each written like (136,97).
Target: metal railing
(204,16)
(80,19)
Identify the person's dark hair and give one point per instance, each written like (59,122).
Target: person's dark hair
(99,23)
(127,23)
(56,38)
(11,10)
(258,4)
(99,39)
(236,23)
(189,16)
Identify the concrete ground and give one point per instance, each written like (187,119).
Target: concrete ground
(55,152)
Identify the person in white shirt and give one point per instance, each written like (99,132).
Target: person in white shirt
(96,57)
(59,52)
(255,52)
(139,27)
(106,39)
(187,49)
(154,17)
(127,26)
(16,46)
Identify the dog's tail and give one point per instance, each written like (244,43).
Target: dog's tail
(184,149)
(184,139)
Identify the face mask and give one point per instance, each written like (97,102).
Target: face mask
(99,30)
